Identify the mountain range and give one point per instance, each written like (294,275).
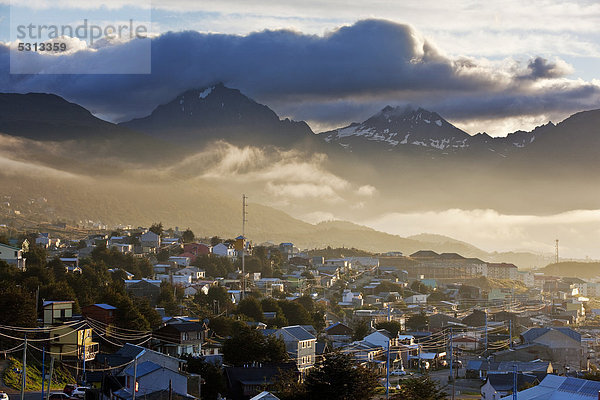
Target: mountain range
(163,166)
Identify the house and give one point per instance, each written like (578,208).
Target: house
(71,264)
(224,250)
(57,312)
(497,386)
(480,368)
(299,343)
(149,240)
(12,256)
(339,332)
(124,357)
(554,387)
(416,299)
(564,345)
(465,343)
(124,248)
(265,396)
(248,381)
(181,338)
(175,279)
(351,299)
(441,321)
(44,240)
(148,377)
(104,313)
(287,250)
(382,338)
(476,318)
(181,261)
(242,243)
(367,354)
(194,273)
(144,288)
(73,342)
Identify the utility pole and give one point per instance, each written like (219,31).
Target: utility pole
(514,382)
(50,377)
(244,220)
(510,333)
(452,361)
(43,369)
(24,370)
(387,384)
(486,332)
(84,341)
(135,378)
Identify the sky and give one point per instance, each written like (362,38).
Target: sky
(492,67)
(485,66)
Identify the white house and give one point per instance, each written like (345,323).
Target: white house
(175,279)
(224,250)
(150,240)
(416,299)
(381,337)
(182,261)
(44,240)
(194,273)
(12,255)
(350,298)
(151,377)
(122,248)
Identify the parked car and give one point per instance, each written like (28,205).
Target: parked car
(61,396)
(79,392)
(3,396)
(398,372)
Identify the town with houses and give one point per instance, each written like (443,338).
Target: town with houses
(474,329)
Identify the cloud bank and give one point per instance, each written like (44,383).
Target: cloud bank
(494,231)
(344,75)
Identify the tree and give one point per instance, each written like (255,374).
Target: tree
(166,299)
(420,388)
(360,331)
(214,381)
(217,299)
(215,240)
(256,348)
(17,307)
(307,302)
(157,228)
(288,385)
(338,377)
(420,287)
(437,296)
(188,236)
(251,308)
(295,313)
(393,327)
(417,322)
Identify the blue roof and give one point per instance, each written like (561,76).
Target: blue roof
(534,333)
(298,332)
(105,306)
(142,369)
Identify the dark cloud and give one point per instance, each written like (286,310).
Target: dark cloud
(541,68)
(355,68)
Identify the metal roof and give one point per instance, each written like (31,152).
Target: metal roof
(142,369)
(298,332)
